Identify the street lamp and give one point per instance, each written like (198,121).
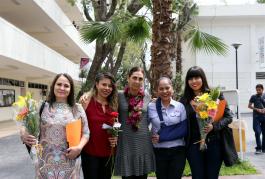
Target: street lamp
(236,46)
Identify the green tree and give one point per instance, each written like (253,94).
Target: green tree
(261,1)
(111,24)
(169,33)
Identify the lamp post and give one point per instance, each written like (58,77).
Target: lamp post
(236,46)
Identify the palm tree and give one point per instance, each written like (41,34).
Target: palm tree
(168,35)
(111,27)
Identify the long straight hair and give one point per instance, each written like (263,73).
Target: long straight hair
(194,71)
(71,96)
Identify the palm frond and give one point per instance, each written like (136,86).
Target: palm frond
(208,43)
(147,3)
(101,31)
(137,29)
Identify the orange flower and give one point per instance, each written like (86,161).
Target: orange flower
(22,114)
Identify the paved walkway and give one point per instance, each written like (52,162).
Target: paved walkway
(16,164)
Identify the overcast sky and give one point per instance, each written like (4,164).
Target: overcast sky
(212,2)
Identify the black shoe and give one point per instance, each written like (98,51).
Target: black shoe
(258,151)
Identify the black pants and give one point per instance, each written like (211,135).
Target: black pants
(205,164)
(259,128)
(96,167)
(170,162)
(136,177)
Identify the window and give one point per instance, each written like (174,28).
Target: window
(7,97)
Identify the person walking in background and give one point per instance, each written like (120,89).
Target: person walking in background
(257,103)
(220,143)
(57,159)
(134,156)
(99,103)
(170,148)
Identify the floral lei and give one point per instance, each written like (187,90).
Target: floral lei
(135,107)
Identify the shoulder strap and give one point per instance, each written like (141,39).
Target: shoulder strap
(41,108)
(159,111)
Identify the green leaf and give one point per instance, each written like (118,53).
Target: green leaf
(101,31)
(206,42)
(137,29)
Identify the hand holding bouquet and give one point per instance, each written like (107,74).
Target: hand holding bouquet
(205,106)
(114,132)
(28,116)
(115,128)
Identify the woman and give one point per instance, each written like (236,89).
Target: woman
(134,156)
(169,151)
(99,103)
(206,164)
(57,159)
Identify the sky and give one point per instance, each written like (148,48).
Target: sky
(213,2)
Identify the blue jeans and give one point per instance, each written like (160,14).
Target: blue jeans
(259,128)
(205,164)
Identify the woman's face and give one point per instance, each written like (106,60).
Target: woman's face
(136,80)
(104,87)
(62,88)
(164,90)
(195,83)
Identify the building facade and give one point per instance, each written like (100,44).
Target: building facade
(38,39)
(244,24)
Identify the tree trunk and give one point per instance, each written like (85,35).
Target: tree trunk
(179,53)
(119,58)
(162,41)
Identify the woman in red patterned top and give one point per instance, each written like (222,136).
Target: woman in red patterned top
(101,101)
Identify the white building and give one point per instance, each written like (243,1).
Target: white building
(37,41)
(243,24)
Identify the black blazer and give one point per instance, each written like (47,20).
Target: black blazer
(229,153)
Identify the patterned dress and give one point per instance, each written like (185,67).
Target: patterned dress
(134,155)
(54,164)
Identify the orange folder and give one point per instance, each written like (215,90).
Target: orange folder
(73,132)
(220,110)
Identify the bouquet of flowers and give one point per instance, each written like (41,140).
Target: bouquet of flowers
(205,106)
(114,132)
(28,116)
(115,128)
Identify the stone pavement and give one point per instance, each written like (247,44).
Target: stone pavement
(16,164)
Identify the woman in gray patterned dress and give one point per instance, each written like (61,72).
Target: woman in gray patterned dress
(58,161)
(134,156)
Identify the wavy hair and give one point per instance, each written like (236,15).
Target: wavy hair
(113,97)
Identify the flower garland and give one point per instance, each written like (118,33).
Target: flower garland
(135,107)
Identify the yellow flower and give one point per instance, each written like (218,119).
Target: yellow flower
(21,102)
(211,105)
(203,98)
(203,114)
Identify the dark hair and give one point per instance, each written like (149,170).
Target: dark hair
(71,96)
(112,98)
(194,71)
(163,78)
(135,69)
(259,86)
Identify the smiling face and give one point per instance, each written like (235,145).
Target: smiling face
(136,80)
(104,88)
(165,90)
(195,84)
(62,89)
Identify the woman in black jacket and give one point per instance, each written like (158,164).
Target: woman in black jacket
(206,164)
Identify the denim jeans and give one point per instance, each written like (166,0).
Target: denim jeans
(259,128)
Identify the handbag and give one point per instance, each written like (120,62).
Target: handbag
(230,156)
(172,132)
